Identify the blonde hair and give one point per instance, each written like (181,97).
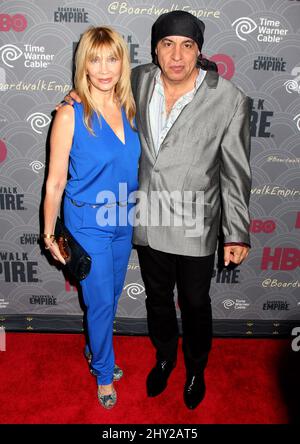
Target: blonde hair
(91,41)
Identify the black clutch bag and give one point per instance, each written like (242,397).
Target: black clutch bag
(78,262)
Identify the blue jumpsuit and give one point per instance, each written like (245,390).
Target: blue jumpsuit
(98,164)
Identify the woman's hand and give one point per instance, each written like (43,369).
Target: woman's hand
(51,245)
(70,99)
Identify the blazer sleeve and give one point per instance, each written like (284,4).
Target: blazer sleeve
(235,175)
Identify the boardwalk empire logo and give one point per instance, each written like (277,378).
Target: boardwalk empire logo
(260,118)
(71,15)
(133,49)
(266,63)
(16,267)
(10,199)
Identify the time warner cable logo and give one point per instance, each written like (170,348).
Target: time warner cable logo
(9,53)
(37,121)
(134,289)
(297,120)
(244,25)
(269,31)
(238,304)
(36,166)
(293,85)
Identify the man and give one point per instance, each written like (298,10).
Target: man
(194,131)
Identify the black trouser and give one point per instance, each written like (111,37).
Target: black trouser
(192,275)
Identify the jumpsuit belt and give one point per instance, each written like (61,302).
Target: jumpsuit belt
(77,203)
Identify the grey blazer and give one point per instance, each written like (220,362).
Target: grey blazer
(207,149)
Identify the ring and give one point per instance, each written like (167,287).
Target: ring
(47,248)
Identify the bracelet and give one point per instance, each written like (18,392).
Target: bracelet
(47,236)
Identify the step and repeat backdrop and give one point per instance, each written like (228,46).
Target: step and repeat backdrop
(256,44)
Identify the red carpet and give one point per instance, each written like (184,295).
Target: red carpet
(45,379)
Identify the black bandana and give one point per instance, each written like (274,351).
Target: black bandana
(177,23)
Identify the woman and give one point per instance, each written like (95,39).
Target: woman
(95,142)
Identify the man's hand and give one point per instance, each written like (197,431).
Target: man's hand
(235,254)
(70,98)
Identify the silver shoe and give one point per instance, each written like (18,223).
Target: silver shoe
(108,401)
(118,372)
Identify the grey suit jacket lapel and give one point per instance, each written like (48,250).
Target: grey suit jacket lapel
(186,115)
(146,91)
(147,87)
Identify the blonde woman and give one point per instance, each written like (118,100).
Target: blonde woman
(95,144)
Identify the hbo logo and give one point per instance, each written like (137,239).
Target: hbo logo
(15,22)
(262,226)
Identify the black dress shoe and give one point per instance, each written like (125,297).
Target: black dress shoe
(194,390)
(158,377)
